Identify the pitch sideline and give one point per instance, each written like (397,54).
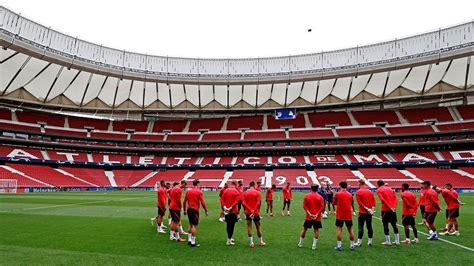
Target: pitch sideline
(440,239)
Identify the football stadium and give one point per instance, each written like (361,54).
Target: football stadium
(361,155)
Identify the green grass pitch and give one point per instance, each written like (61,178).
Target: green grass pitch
(114,228)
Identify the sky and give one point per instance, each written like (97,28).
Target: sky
(243,28)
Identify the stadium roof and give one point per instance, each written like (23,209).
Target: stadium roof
(43,67)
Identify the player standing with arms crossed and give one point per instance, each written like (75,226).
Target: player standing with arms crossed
(251,199)
(229,201)
(389,212)
(313,204)
(192,201)
(343,204)
(269,200)
(410,206)
(366,201)
(431,209)
(287,196)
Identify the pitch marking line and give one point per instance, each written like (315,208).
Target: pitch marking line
(440,239)
(77,204)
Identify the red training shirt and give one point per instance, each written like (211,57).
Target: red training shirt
(314,204)
(251,200)
(431,201)
(194,198)
(451,198)
(422,197)
(388,198)
(161,196)
(365,198)
(230,198)
(269,194)
(343,201)
(175,196)
(287,195)
(410,204)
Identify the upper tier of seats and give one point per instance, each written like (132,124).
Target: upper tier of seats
(256,127)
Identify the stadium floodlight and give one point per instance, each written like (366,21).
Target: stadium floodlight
(8,185)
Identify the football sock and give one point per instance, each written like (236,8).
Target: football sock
(193,240)
(181,229)
(431,232)
(369,241)
(250,239)
(447,226)
(339,244)
(397,238)
(171,234)
(359,241)
(315,241)
(301,240)
(387,238)
(190,237)
(177,235)
(260,239)
(352,243)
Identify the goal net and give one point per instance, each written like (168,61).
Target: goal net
(8,185)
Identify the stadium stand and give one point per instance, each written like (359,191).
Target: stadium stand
(466,111)
(137,126)
(40,118)
(174,126)
(212,124)
(298,122)
(418,115)
(245,122)
(360,131)
(81,123)
(322,119)
(372,117)
(5,114)
(49,175)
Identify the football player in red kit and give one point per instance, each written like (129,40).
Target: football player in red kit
(343,202)
(366,201)
(287,196)
(192,202)
(410,206)
(450,196)
(162,196)
(313,204)
(229,201)
(269,200)
(221,215)
(251,199)
(431,209)
(175,210)
(389,200)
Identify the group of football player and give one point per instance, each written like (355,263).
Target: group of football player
(233,196)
